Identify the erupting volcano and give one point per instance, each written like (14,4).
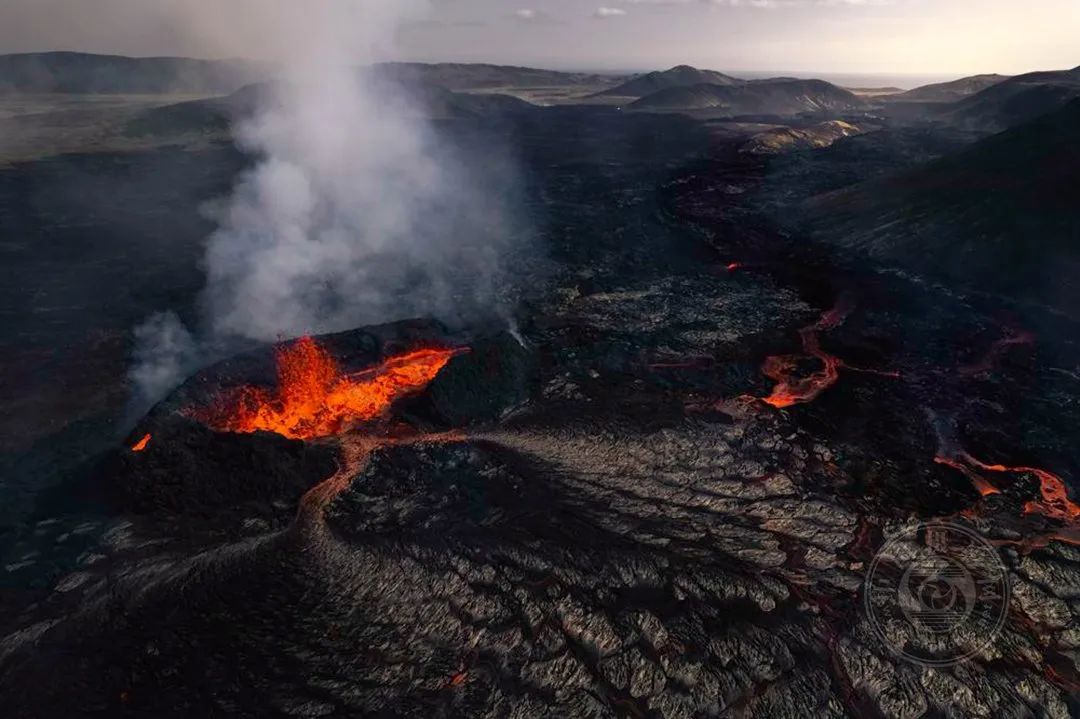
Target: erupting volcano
(314,398)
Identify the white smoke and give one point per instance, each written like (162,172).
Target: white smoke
(164,350)
(354,212)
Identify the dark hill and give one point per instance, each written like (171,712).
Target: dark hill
(81,73)
(1000,215)
(677,77)
(457,76)
(1016,100)
(777,97)
(949,91)
(217,114)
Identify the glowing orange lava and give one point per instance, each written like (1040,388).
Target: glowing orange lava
(984,488)
(1054,504)
(141,444)
(791,389)
(314,399)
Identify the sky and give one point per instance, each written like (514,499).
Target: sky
(855,37)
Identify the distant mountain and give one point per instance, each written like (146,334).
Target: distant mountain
(781,96)
(71,72)
(211,116)
(676,77)
(1016,100)
(217,114)
(1000,215)
(81,73)
(454,76)
(949,91)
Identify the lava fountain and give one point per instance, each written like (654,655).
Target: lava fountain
(314,398)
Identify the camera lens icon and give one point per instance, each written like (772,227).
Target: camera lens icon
(937,594)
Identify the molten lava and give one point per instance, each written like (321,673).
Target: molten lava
(961,464)
(315,399)
(790,388)
(141,444)
(1055,502)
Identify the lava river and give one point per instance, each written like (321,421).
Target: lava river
(792,389)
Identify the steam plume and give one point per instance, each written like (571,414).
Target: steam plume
(164,350)
(354,212)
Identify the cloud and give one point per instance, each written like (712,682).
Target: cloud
(767,4)
(793,3)
(606,13)
(533,17)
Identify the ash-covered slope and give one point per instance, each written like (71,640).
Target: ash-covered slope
(781,96)
(1001,215)
(787,139)
(948,91)
(679,76)
(1015,100)
(83,73)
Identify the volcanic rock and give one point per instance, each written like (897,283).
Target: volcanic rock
(496,375)
(186,468)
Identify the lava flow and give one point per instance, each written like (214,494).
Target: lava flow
(141,444)
(315,399)
(1054,502)
(791,389)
